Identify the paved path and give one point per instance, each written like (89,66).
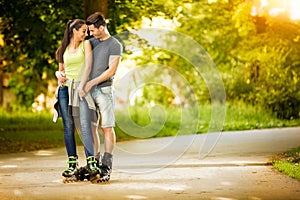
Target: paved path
(238,167)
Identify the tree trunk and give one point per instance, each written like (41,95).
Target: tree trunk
(91,6)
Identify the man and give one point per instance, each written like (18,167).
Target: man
(107,52)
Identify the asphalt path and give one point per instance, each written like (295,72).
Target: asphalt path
(217,166)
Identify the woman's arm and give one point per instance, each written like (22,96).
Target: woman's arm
(88,56)
(60,74)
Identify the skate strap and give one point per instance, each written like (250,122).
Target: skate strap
(92,161)
(71,161)
(69,169)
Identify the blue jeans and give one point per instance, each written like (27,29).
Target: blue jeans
(68,121)
(86,127)
(69,124)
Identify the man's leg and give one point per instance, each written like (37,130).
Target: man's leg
(107,159)
(109,139)
(105,99)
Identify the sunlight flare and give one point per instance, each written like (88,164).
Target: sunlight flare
(294,9)
(276,8)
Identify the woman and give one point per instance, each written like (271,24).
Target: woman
(74,57)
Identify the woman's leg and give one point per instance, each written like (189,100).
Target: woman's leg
(86,128)
(88,141)
(68,122)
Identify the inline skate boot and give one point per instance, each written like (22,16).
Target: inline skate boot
(106,167)
(70,173)
(92,171)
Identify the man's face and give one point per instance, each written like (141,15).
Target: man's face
(95,32)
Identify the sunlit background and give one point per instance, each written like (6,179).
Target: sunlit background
(285,9)
(289,8)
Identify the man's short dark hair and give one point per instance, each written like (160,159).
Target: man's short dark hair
(97,19)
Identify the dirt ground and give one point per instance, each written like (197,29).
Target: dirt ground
(238,167)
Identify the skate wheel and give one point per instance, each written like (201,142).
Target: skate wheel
(104,179)
(96,178)
(69,179)
(64,180)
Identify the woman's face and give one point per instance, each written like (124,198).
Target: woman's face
(81,33)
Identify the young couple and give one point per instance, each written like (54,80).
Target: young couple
(85,79)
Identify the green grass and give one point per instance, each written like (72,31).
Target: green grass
(24,131)
(20,141)
(33,131)
(289,163)
(27,121)
(240,116)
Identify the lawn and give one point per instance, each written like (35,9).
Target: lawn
(289,163)
(21,132)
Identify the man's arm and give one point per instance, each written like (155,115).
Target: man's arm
(111,71)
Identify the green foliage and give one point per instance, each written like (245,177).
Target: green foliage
(258,66)
(128,14)
(172,70)
(271,69)
(258,57)
(31,31)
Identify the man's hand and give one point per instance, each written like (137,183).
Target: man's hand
(81,92)
(88,86)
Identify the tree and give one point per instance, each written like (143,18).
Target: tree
(91,6)
(31,31)
(259,59)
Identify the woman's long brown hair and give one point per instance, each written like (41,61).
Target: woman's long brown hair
(71,24)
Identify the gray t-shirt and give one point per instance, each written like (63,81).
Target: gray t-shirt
(102,50)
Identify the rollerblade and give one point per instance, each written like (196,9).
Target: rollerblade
(83,174)
(92,171)
(70,173)
(106,167)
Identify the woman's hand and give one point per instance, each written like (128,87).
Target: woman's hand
(61,77)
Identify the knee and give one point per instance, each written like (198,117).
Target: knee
(108,131)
